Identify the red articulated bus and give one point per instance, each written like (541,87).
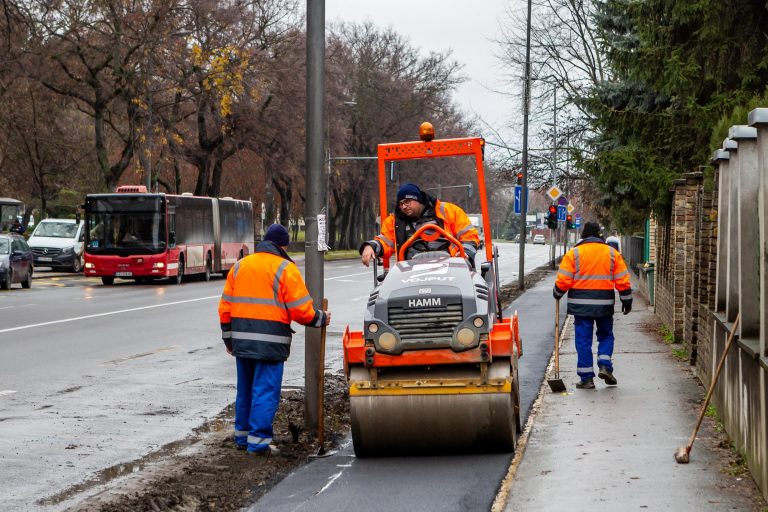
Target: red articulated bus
(132,234)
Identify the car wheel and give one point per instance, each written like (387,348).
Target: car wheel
(77,265)
(5,285)
(27,282)
(107,280)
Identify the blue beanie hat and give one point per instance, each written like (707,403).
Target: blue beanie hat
(277,234)
(410,191)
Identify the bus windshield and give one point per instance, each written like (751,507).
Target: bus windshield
(125,225)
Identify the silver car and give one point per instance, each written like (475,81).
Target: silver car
(15,261)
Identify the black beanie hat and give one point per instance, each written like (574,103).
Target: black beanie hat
(277,234)
(591,229)
(409,191)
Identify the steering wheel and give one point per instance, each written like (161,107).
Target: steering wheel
(429,237)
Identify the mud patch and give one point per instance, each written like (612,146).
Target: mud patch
(208,473)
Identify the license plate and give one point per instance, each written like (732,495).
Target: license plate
(123,274)
(44,259)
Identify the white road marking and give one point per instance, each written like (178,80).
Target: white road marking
(109,313)
(330,481)
(7,392)
(348,275)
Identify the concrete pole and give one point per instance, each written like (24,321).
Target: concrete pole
(721,159)
(316,195)
(758,118)
(748,233)
(524,188)
(731,235)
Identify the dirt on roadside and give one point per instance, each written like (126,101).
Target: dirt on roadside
(211,475)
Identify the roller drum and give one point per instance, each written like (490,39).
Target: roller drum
(420,423)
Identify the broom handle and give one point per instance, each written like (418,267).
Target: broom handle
(557,339)
(714,379)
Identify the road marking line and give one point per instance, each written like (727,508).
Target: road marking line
(7,392)
(330,481)
(348,275)
(109,313)
(143,354)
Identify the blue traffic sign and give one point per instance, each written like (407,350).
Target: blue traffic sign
(561,211)
(518,194)
(577,218)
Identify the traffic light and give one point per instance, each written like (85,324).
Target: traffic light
(569,224)
(519,177)
(552,217)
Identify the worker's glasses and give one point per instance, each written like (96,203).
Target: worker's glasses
(404,202)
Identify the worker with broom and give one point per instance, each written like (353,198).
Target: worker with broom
(589,273)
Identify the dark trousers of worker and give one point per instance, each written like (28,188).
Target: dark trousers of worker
(258,395)
(583,326)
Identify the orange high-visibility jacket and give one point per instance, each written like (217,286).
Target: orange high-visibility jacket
(264,292)
(397,228)
(589,273)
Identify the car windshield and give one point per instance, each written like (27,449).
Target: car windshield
(56,230)
(5,246)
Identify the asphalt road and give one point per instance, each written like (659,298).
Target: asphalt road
(95,377)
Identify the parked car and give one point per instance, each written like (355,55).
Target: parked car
(539,239)
(16,261)
(58,243)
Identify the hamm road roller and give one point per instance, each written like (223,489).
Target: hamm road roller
(434,369)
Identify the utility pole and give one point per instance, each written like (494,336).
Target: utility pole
(526,109)
(316,195)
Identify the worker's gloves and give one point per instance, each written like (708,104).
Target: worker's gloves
(555,295)
(626,307)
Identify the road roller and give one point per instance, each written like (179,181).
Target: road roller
(434,369)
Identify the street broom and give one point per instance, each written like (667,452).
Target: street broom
(557,385)
(683,454)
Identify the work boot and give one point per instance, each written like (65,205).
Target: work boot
(607,376)
(271,451)
(586,384)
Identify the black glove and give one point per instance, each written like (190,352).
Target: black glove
(626,307)
(556,295)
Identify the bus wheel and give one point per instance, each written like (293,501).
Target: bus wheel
(107,280)
(207,275)
(180,273)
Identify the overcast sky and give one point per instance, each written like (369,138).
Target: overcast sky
(467,28)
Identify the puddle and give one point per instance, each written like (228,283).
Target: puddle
(223,421)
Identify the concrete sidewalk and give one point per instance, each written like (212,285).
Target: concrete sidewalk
(612,448)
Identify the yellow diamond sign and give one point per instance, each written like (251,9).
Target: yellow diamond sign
(570,208)
(554,193)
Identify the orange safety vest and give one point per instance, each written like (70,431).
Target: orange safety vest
(446,215)
(589,273)
(264,292)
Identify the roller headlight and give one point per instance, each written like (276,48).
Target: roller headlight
(465,337)
(478,322)
(373,328)
(387,341)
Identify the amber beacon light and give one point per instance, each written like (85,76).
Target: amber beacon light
(426,132)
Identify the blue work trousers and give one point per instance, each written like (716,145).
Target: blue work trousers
(258,395)
(583,327)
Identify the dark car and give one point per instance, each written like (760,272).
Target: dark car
(15,261)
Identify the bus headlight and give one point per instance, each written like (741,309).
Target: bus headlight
(158,264)
(90,265)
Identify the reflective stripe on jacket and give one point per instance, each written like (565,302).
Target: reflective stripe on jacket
(447,215)
(589,273)
(264,292)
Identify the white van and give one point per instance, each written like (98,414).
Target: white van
(477,221)
(58,243)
